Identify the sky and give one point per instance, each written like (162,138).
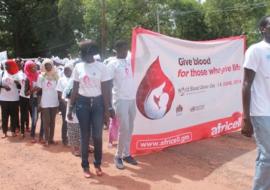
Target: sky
(202,1)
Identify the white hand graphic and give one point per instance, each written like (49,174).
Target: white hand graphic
(155,104)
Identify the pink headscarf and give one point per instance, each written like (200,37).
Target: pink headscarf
(32,77)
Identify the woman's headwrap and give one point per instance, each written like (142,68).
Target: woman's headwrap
(32,77)
(51,75)
(13,67)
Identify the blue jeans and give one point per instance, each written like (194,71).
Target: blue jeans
(261,126)
(90,113)
(34,118)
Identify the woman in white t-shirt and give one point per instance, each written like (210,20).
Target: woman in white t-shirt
(30,89)
(91,93)
(24,105)
(9,97)
(49,103)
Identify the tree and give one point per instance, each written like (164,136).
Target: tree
(188,16)
(70,15)
(40,28)
(235,17)
(53,27)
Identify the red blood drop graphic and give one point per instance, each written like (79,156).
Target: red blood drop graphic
(49,84)
(155,93)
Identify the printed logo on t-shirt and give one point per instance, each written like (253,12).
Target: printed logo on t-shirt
(49,84)
(127,71)
(89,82)
(86,80)
(8,81)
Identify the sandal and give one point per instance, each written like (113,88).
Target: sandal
(76,153)
(33,141)
(14,134)
(46,144)
(99,171)
(4,136)
(41,141)
(86,173)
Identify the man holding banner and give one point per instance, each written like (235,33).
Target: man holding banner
(256,103)
(124,101)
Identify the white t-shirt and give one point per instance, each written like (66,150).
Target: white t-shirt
(108,60)
(257,58)
(22,82)
(61,84)
(90,76)
(13,93)
(123,81)
(49,98)
(35,84)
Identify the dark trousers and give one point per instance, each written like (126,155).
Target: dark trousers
(24,113)
(10,109)
(63,109)
(90,113)
(48,120)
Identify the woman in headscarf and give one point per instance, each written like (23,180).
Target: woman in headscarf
(30,70)
(49,103)
(24,102)
(9,97)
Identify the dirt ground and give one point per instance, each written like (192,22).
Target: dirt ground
(223,163)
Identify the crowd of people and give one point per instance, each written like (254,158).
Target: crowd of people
(89,95)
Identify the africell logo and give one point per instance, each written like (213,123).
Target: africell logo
(227,126)
(155,93)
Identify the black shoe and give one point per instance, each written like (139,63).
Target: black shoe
(130,160)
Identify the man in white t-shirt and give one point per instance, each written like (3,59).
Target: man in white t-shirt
(256,103)
(61,85)
(124,102)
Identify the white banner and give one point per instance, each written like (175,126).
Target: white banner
(186,90)
(3,56)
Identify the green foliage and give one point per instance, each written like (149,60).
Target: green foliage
(189,19)
(53,27)
(235,17)
(121,17)
(39,28)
